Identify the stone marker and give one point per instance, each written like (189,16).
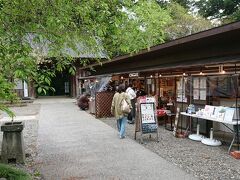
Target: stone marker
(12,144)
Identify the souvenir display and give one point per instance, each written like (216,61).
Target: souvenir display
(229,113)
(208,110)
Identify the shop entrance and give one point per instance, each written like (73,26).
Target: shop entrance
(62,85)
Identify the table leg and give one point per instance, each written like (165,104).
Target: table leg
(230,147)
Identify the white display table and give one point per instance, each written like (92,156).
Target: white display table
(210,118)
(233,122)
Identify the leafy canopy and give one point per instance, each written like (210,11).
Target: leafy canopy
(183,23)
(97,25)
(218,8)
(34,35)
(223,10)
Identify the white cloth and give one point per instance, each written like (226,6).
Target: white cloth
(131,93)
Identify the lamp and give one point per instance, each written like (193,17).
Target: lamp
(221,69)
(201,73)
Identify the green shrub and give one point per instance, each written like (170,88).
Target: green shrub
(11,173)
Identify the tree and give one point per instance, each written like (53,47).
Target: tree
(141,27)
(63,23)
(225,10)
(183,23)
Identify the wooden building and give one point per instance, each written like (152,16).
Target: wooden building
(200,69)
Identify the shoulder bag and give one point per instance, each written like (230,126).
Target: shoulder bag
(125,108)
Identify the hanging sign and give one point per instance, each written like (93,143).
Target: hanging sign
(133,75)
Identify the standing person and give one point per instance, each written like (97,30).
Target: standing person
(116,109)
(131,93)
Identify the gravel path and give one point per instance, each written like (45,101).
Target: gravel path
(72,144)
(29,114)
(203,161)
(193,157)
(31,125)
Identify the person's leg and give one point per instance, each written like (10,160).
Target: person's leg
(129,117)
(133,110)
(119,124)
(122,127)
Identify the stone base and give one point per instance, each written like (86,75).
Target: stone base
(211,142)
(196,137)
(12,144)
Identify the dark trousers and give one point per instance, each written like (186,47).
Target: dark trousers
(131,116)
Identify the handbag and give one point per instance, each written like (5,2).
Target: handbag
(129,117)
(125,108)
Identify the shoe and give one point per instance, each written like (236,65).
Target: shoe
(122,137)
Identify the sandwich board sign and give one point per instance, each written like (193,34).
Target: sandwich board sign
(148,121)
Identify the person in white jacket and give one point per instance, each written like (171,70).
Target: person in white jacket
(132,95)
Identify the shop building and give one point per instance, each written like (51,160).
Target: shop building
(200,69)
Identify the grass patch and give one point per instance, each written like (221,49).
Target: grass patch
(11,173)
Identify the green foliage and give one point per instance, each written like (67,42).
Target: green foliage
(235,16)
(220,9)
(183,23)
(184,3)
(141,27)
(64,23)
(11,173)
(150,20)
(117,27)
(6,95)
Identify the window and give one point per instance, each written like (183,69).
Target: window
(181,90)
(199,88)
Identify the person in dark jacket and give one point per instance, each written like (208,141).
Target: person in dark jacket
(82,101)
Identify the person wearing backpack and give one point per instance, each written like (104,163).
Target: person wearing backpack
(121,99)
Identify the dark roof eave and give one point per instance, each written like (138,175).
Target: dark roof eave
(183,40)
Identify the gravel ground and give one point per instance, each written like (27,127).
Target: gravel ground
(203,161)
(30,133)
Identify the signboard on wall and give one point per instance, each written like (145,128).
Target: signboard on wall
(133,75)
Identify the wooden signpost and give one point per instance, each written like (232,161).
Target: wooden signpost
(146,117)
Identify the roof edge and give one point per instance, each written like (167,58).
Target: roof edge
(182,40)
